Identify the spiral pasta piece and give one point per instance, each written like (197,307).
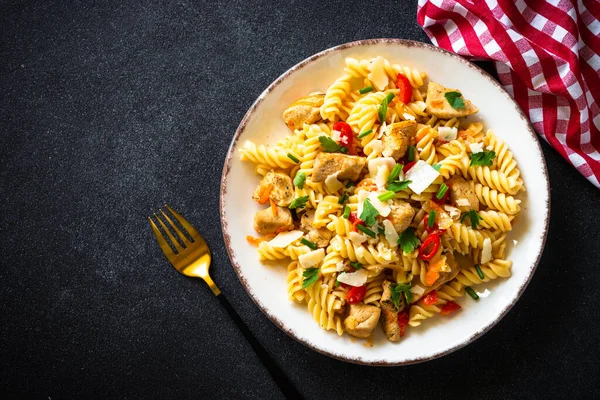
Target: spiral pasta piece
(364,254)
(464,234)
(271,156)
(494,179)
(496,200)
(334,97)
(324,306)
(495,220)
(294,282)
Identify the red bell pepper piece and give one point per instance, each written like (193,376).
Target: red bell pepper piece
(404,88)
(356,294)
(430,298)
(450,307)
(346,136)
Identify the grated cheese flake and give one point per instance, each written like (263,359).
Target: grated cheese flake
(377,74)
(332,182)
(476,148)
(486,253)
(310,259)
(284,239)
(447,134)
(422,175)
(355,279)
(390,233)
(357,238)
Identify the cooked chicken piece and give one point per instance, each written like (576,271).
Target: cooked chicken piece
(390,313)
(304,111)
(265,222)
(320,236)
(361,320)
(282,192)
(401,215)
(438,105)
(460,191)
(349,167)
(399,136)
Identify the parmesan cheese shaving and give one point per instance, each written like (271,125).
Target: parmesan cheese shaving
(355,279)
(408,117)
(340,266)
(382,129)
(382,176)
(376,163)
(390,233)
(377,74)
(463,202)
(422,175)
(418,290)
(332,182)
(476,148)
(383,208)
(285,238)
(310,259)
(486,252)
(357,238)
(447,134)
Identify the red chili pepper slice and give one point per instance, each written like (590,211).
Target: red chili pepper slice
(346,136)
(450,307)
(429,247)
(430,298)
(403,321)
(408,166)
(356,294)
(405,89)
(355,221)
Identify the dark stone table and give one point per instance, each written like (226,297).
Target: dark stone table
(107,111)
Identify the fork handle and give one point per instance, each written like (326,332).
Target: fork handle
(286,387)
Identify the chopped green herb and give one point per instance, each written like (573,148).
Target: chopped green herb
(383,108)
(386,196)
(482,158)
(381,231)
(310,276)
(408,241)
(395,173)
(397,186)
(300,179)
(329,145)
(441,191)
(479,272)
(366,89)
(346,212)
(365,133)
(291,157)
(399,289)
(356,265)
(436,166)
(455,100)
(431,219)
(343,199)
(366,230)
(471,293)
(411,153)
(368,213)
(343,150)
(349,184)
(337,283)
(308,243)
(473,217)
(299,202)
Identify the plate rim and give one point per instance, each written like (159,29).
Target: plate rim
(227,167)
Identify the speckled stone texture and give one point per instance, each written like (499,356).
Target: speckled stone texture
(107,111)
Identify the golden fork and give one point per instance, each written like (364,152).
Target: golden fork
(192,258)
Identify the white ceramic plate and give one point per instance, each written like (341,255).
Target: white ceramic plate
(266,285)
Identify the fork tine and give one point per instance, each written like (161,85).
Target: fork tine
(162,242)
(188,227)
(180,234)
(170,235)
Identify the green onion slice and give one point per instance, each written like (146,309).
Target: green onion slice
(431,219)
(365,133)
(479,272)
(346,212)
(386,196)
(471,293)
(441,191)
(291,157)
(411,153)
(395,173)
(308,243)
(366,89)
(366,231)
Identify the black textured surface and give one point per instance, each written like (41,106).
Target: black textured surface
(109,111)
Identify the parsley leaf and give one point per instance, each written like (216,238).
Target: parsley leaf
(299,179)
(356,265)
(310,276)
(397,186)
(397,290)
(368,213)
(408,241)
(299,202)
(455,100)
(482,158)
(329,145)
(473,217)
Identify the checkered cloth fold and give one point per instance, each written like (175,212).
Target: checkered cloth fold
(547,54)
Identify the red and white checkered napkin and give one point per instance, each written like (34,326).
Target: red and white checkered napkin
(547,55)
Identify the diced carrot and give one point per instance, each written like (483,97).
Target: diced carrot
(258,240)
(433,273)
(264,193)
(273,207)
